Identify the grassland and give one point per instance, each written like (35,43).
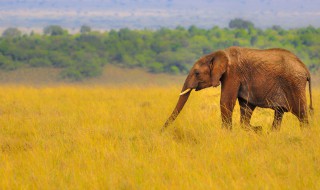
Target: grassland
(111,76)
(83,137)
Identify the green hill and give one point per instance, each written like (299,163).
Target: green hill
(84,55)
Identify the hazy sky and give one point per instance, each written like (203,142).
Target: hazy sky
(106,14)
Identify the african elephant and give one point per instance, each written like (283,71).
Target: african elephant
(271,78)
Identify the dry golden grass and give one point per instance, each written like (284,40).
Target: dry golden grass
(71,137)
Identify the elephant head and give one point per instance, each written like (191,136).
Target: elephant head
(206,72)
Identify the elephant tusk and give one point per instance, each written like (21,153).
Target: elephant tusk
(186,91)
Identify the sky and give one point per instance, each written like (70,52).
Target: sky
(115,14)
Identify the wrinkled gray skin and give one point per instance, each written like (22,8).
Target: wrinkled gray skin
(272,78)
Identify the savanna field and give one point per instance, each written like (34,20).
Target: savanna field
(108,137)
(84,110)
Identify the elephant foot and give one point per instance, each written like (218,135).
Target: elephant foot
(226,126)
(256,129)
(275,129)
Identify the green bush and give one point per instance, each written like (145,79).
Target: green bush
(39,62)
(8,64)
(72,73)
(173,51)
(156,67)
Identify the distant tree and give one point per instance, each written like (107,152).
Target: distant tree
(253,40)
(276,27)
(240,23)
(180,28)
(308,30)
(240,33)
(307,39)
(314,67)
(127,34)
(58,59)
(164,50)
(156,67)
(174,69)
(11,33)
(39,62)
(6,63)
(85,29)
(193,30)
(54,30)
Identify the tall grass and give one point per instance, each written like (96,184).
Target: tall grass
(107,138)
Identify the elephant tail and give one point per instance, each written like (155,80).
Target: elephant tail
(310,94)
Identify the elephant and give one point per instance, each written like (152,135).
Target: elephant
(270,78)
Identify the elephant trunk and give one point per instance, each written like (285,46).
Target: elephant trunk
(184,95)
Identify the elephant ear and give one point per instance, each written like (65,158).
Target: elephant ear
(219,65)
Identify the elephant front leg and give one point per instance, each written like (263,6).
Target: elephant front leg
(227,104)
(229,94)
(226,114)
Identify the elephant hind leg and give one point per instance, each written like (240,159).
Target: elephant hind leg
(300,111)
(278,115)
(246,110)
(302,115)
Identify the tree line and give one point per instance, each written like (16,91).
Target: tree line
(84,54)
